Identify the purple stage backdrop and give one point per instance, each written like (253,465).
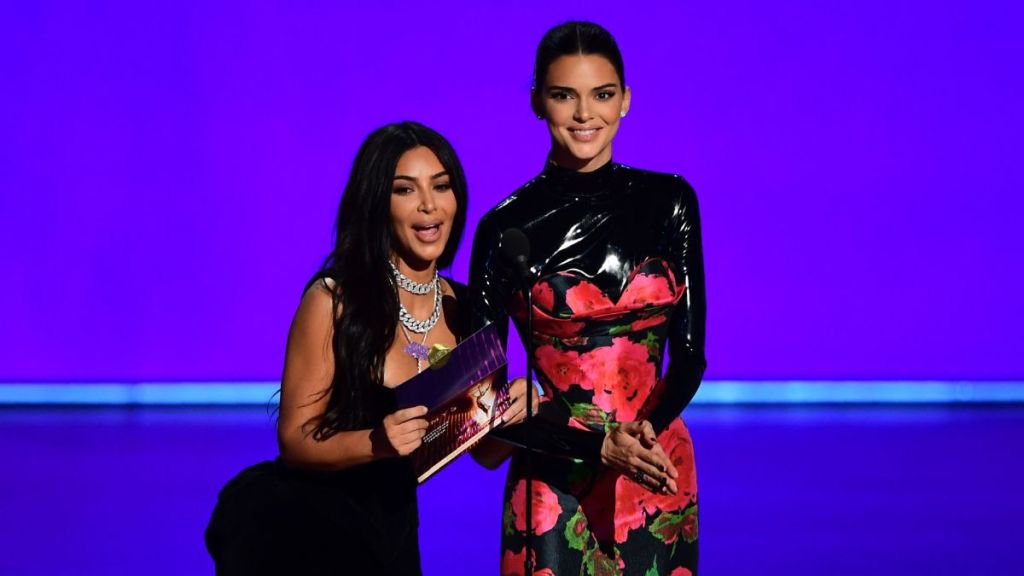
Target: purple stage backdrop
(169,173)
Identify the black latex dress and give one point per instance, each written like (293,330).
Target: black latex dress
(598,225)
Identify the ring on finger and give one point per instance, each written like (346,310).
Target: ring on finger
(639,476)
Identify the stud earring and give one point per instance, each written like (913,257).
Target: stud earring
(622,114)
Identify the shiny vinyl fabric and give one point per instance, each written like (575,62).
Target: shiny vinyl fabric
(617,272)
(601,226)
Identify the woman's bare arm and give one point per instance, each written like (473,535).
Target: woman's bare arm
(308,371)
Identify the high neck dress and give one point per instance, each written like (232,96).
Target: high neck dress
(616,257)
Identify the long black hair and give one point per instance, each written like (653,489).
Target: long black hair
(576,37)
(363,290)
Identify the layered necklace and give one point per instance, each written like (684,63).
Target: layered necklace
(417,350)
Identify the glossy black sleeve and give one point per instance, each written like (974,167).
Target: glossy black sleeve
(491,286)
(686,329)
(490,281)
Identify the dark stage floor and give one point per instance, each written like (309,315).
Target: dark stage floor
(799,491)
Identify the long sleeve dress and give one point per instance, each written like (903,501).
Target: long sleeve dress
(616,254)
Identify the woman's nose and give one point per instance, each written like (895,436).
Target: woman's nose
(427,203)
(582,113)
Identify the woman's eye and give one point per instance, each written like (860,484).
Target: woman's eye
(443,187)
(605,95)
(402,190)
(559,96)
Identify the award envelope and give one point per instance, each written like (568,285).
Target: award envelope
(463,401)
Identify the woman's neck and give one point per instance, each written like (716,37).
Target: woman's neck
(420,273)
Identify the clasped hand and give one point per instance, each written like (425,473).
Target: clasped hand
(632,449)
(516,413)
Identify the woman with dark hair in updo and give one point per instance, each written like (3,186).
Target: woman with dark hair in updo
(617,256)
(341,499)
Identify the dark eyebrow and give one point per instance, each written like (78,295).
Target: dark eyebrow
(411,179)
(601,87)
(563,88)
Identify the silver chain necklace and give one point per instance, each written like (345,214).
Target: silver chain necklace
(422,326)
(410,285)
(417,350)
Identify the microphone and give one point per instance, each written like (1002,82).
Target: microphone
(515,247)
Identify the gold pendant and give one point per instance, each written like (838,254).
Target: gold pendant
(438,355)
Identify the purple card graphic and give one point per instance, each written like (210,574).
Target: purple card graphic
(471,361)
(464,400)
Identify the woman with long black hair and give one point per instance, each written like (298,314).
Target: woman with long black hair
(617,256)
(341,499)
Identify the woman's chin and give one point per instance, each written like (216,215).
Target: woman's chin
(422,256)
(583,155)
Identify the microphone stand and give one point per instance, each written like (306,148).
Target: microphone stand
(515,246)
(528,457)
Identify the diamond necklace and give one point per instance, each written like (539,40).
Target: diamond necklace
(422,326)
(417,350)
(410,285)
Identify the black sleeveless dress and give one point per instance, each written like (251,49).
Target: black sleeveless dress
(275,519)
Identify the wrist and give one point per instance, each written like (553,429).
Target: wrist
(380,446)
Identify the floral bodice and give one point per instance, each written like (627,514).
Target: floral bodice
(618,256)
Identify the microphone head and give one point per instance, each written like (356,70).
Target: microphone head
(514,245)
